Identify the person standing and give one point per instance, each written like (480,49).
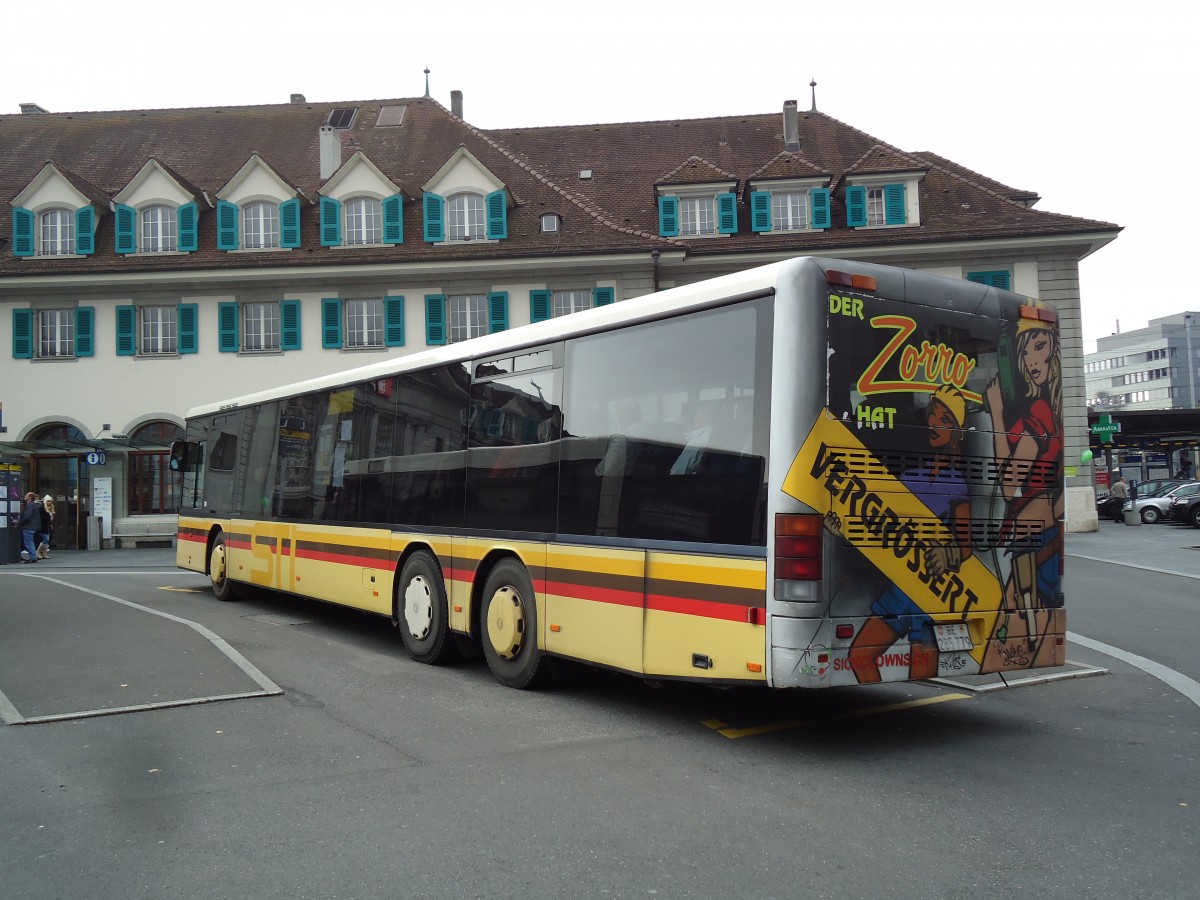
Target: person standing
(47,531)
(1117,497)
(30,523)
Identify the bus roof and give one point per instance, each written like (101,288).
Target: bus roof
(752,282)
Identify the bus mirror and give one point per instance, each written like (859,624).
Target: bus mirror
(179,456)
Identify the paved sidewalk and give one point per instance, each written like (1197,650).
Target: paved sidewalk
(156,558)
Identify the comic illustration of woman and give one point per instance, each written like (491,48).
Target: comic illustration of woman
(941,485)
(1028,444)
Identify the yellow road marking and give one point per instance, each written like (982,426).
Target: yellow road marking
(909,704)
(724,730)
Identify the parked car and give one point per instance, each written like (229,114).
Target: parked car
(1185,508)
(1105,503)
(1154,508)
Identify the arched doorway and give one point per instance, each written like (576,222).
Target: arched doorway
(56,472)
(153,487)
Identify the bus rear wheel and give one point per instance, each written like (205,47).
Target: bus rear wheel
(509,632)
(421,610)
(218,571)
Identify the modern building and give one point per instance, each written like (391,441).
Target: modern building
(1149,368)
(156,259)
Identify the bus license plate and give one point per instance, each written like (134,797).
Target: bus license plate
(953,637)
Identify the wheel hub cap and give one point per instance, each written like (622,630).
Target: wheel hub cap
(506,622)
(418,607)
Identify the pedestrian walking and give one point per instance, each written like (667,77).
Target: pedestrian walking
(43,550)
(30,524)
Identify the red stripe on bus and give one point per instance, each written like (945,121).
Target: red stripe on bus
(703,608)
(198,537)
(586,592)
(345,559)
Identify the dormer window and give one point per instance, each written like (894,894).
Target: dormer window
(159,233)
(363,221)
(57,232)
(696,212)
(789,205)
(877,203)
(260,226)
(465,218)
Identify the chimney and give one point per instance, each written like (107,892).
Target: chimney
(331,151)
(32,109)
(791,126)
(298,98)
(456,103)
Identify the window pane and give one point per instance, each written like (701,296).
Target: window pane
(158,229)
(567,302)
(364,323)
(789,210)
(260,326)
(260,226)
(875,209)
(468,316)
(697,215)
(364,221)
(668,428)
(58,233)
(158,331)
(464,218)
(56,333)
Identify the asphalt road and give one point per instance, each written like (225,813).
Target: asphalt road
(275,748)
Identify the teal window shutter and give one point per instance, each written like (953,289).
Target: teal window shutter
(435,318)
(668,216)
(393,219)
(126,229)
(85,331)
(126,331)
(497,311)
(760,211)
(331,323)
(539,305)
(289,325)
(227,225)
(497,216)
(229,340)
(856,206)
(602,296)
(331,222)
(893,204)
(435,219)
(820,208)
(393,321)
(188,315)
(23,222)
(187,218)
(22,334)
(289,223)
(727,213)
(85,231)
(997,279)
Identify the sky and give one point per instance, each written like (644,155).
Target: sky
(1089,104)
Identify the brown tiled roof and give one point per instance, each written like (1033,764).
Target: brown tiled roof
(787,165)
(613,211)
(695,170)
(881,160)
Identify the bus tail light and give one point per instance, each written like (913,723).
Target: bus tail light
(845,279)
(799,540)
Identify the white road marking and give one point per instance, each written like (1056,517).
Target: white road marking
(1177,680)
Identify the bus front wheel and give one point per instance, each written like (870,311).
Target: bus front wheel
(218,571)
(421,610)
(509,632)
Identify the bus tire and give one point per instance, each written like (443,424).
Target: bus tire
(509,627)
(224,587)
(421,611)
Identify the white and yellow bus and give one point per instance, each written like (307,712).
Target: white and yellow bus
(810,474)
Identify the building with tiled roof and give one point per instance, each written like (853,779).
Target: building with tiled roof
(152,260)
